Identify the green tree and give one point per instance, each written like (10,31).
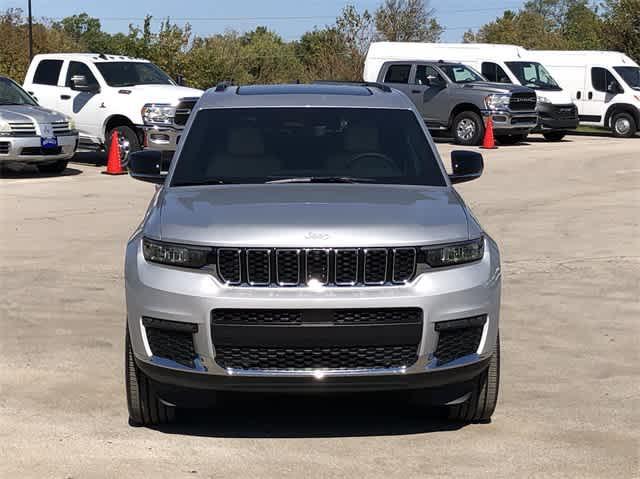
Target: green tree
(407,20)
(622,27)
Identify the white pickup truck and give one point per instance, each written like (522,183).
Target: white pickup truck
(106,93)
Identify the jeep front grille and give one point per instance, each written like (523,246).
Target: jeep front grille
(288,267)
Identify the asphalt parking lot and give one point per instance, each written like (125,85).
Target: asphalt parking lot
(566,217)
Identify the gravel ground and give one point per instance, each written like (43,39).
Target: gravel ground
(566,217)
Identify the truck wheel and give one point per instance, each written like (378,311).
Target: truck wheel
(145,408)
(623,125)
(55,167)
(554,135)
(128,140)
(480,406)
(467,128)
(511,139)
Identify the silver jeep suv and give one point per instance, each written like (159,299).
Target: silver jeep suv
(307,238)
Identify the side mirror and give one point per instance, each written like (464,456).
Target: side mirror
(466,166)
(146,165)
(179,79)
(614,88)
(79,83)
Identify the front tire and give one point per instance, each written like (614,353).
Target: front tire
(554,135)
(467,128)
(55,167)
(623,125)
(482,402)
(128,141)
(145,407)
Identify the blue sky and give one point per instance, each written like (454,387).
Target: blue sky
(212,16)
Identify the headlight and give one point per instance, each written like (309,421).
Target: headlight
(543,99)
(174,254)
(4,126)
(158,113)
(497,102)
(453,254)
(72,123)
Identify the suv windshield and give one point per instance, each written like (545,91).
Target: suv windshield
(307,145)
(630,75)
(533,75)
(461,73)
(119,74)
(12,94)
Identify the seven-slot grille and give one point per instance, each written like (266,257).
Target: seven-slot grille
(299,267)
(183,110)
(523,101)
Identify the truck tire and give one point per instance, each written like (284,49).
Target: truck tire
(554,135)
(129,143)
(55,167)
(145,408)
(467,128)
(482,402)
(511,139)
(623,125)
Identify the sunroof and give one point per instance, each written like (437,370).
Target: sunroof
(304,90)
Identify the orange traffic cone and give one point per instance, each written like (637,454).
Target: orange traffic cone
(114,167)
(489,142)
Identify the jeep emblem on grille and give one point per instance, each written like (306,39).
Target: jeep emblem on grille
(316,236)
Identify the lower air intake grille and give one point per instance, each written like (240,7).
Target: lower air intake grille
(171,340)
(352,357)
(4,147)
(458,338)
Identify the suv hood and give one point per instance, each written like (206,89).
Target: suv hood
(161,93)
(310,215)
(24,113)
(490,87)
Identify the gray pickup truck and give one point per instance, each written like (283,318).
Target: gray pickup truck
(454,97)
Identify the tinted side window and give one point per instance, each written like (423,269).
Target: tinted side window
(601,78)
(79,68)
(494,73)
(398,74)
(48,72)
(423,72)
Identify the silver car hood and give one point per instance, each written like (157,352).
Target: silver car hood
(309,215)
(24,113)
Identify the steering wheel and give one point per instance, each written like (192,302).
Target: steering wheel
(389,162)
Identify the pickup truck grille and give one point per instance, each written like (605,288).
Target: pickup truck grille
(25,128)
(307,339)
(523,101)
(289,267)
(183,110)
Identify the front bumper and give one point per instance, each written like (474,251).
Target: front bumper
(27,149)
(162,138)
(185,296)
(557,117)
(508,121)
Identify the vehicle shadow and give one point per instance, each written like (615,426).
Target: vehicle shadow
(94,158)
(304,416)
(31,172)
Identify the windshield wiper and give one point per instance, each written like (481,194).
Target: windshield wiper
(208,181)
(323,179)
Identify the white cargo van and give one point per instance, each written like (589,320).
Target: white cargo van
(605,86)
(499,64)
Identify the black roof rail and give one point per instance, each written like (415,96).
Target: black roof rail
(372,84)
(223,85)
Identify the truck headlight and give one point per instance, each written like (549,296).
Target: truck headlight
(542,99)
(497,101)
(158,113)
(4,127)
(175,254)
(452,254)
